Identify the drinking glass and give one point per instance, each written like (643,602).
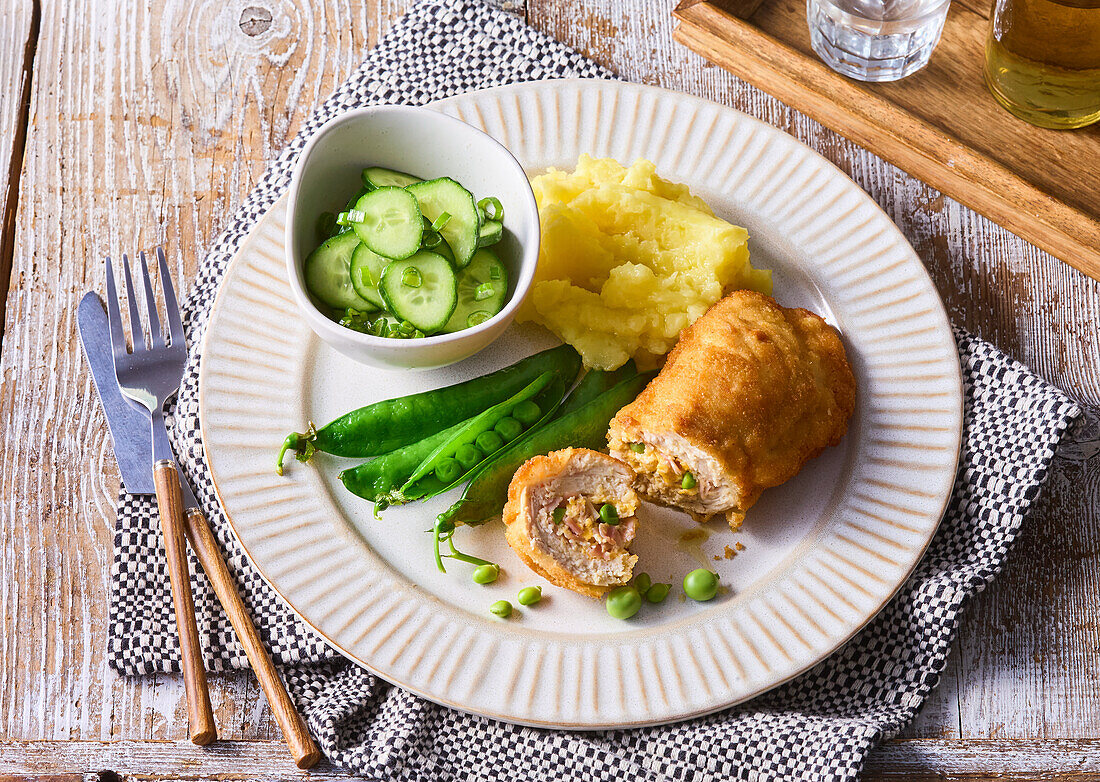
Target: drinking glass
(1042,60)
(875,40)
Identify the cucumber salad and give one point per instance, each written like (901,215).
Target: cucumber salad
(410,258)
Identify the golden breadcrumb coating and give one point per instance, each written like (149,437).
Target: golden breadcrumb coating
(750,393)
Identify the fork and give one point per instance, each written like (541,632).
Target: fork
(149,375)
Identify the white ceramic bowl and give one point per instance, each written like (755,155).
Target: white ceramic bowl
(427,144)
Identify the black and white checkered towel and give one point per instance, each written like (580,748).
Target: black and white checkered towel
(818,726)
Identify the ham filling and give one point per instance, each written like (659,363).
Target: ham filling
(580,525)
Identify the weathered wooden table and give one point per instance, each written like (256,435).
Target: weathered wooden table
(127,124)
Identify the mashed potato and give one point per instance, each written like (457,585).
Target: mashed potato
(628,260)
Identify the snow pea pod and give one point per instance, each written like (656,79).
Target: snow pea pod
(582,427)
(383,426)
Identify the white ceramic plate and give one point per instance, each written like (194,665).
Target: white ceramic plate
(822,554)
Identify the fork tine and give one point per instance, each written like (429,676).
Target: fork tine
(114,316)
(171,308)
(150,303)
(137,334)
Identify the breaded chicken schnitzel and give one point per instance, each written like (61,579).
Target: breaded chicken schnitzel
(750,393)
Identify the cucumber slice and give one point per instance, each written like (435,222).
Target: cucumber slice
(375,177)
(366,271)
(392,225)
(490,233)
(421,289)
(327,272)
(485,277)
(437,196)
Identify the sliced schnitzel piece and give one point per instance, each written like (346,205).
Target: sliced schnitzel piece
(751,392)
(554,522)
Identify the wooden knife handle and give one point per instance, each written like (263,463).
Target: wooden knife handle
(200,716)
(294,729)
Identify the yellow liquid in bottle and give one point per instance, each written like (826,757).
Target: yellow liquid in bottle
(1042,61)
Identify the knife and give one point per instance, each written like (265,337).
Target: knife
(128,425)
(130,434)
(127,422)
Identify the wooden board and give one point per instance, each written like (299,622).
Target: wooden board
(940,124)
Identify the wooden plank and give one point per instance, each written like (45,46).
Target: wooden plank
(148,129)
(967,146)
(1076,760)
(162,145)
(18,40)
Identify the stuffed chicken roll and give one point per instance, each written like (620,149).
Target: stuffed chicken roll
(570,517)
(750,393)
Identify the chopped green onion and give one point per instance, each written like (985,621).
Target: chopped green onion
(477,318)
(558,515)
(350,216)
(498,208)
(484,291)
(441,221)
(637,447)
(411,278)
(430,239)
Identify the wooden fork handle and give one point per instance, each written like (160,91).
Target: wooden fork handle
(200,716)
(294,729)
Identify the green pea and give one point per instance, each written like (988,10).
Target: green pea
(468,456)
(642,582)
(508,428)
(501,608)
(486,574)
(623,602)
(526,412)
(688,481)
(489,442)
(558,515)
(608,514)
(528,596)
(657,593)
(448,470)
(637,447)
(701,584)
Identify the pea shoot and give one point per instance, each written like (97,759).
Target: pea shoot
(443,532)
(701,584)
(528,596)
(501,608)
(623,602)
